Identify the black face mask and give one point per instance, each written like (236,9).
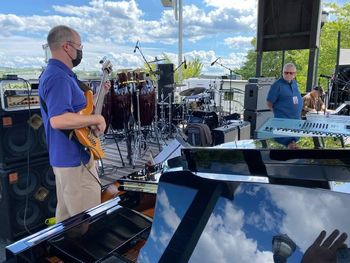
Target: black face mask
(78,59)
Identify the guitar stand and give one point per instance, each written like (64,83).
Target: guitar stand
(116,142)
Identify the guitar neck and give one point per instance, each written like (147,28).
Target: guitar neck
(100,95)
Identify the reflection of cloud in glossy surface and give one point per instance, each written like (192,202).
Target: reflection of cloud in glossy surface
(225,241)
(168,216)
(308,213)
(263,219)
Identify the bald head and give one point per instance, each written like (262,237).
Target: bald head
(59,35)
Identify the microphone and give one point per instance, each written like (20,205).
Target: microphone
(185,64)
(136,46)
(325,76)
(212,63)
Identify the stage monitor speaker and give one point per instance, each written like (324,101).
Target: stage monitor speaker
(235,130)
(165,81)
(256,119)
(288,24)
(27,198)
(21,133)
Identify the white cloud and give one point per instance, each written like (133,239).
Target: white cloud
(224,238)
(241,5)
(307,213)
(239,42)
(112,27)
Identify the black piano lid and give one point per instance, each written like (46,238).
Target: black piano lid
(303,164)
(205,220)
(57,229)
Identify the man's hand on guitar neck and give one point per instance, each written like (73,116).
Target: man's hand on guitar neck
(99,128)
(70,120)
(106,86)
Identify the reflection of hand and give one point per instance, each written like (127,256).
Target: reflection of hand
(325,252)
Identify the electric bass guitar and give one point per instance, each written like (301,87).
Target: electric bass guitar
(85,135)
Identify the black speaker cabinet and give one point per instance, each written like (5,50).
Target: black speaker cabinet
(27,198)
(21,133)
(288,24)
(165,81)
(256,119)
(255,97)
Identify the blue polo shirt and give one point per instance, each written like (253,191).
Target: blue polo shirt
(59,89)
(281,96)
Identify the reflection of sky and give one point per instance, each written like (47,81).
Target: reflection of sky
(167,219)
(242,230)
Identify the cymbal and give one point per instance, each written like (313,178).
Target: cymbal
(192,91)
(174,85)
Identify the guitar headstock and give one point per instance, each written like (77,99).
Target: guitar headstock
(106,65)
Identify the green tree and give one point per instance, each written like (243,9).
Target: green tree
(327,54)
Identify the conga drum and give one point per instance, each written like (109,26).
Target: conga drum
(147,101)
(107,107)
(121,107)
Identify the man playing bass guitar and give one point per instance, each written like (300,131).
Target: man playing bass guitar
(77,183)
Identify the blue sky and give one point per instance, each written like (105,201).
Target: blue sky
(212,28)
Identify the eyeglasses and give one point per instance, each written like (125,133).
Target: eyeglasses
(290,73)
(80,46)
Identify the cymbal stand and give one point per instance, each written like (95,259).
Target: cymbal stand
(156,128)
(169,127)
(221,120)
(162,111)
(140,141)
(170,113)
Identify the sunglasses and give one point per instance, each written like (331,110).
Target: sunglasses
(287,72)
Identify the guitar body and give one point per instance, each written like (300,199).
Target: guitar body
(85,135)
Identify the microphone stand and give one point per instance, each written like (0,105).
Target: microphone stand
(156,102)
(183,62)
(149,66)
(231,71)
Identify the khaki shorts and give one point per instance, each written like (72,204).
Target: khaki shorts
(77,190)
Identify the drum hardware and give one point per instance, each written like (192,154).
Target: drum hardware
(140,141)
(168,128)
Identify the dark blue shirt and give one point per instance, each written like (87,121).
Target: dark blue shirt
(286,103)
(281,96)
(59,89)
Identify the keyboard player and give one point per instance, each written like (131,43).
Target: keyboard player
(312,101)
(285,101)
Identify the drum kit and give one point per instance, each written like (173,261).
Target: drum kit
(132,106)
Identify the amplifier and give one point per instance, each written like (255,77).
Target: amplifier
(17,94)
(235,130)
